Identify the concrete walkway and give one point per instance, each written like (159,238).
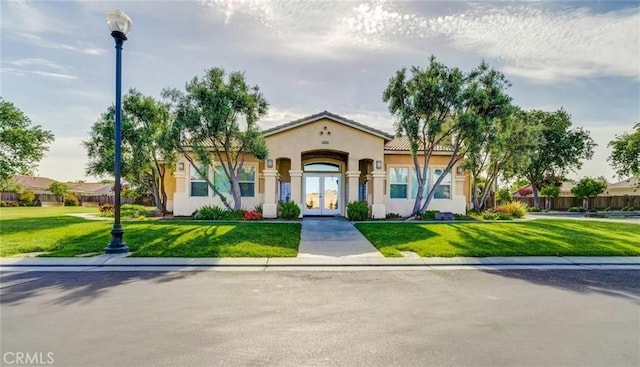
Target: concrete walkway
(333,237)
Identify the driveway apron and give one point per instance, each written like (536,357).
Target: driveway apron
(333,237)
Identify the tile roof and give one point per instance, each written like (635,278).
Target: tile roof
(401,144)
(628,183)
(331,116)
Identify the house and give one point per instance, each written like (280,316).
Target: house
(321,162)
(630,187)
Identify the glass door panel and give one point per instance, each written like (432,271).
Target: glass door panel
(312,194)
(331,194)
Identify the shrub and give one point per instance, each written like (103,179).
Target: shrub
(71,200)
(27,198)
(106,210)
(534,210)
(607,209)
(252,215)
(289,210)
(504,195)
(514,209)
(8,204)
(358,210)
(429,214)
(258,208)
(496,216)
(462,217)
(134,211)
(392,216)
(210,212)
(573,209)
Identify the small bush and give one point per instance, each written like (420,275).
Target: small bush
(258,208)
(289,210)
(428,215)
(27,198)
(210,212)
(392,216)
(573,209)
(462,217)
(496,216)
(252,215)
(358,210)
(534,210)
(133,211)
(8,204)
(607,209)
(71,200)
(106,210)
(514,209)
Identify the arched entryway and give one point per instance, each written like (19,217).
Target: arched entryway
(323,187)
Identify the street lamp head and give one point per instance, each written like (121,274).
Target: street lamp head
(119,24)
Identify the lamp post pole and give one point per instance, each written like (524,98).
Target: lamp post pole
(117,244)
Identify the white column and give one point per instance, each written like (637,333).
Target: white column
(270,205)
(296,187)
(378,208)
(353,178)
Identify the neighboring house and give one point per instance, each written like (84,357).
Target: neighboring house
(35,184)
(321,162)
(630,186)
(90,188)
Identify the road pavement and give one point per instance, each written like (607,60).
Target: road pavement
(315,318)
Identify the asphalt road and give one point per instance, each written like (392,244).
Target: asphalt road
(356,318)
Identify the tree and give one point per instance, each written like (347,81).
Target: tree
(442,106)
(560,149)
(550,192)
(500,147)
(218,114)
(588,188)
(59,189)
(625,155)
(504,195)
(147,145)
(22,145)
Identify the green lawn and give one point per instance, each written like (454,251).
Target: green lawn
(531,238)
(24,230)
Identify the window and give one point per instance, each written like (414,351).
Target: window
(321,167)
(399,180)
(443,191)
(246,179)
(198,185)
(414,185)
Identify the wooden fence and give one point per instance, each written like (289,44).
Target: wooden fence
(599,202)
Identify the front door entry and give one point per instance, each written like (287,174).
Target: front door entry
(322,194)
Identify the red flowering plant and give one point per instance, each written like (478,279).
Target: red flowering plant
(251,215)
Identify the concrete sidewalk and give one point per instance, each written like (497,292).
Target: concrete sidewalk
(121,263)
(333,237)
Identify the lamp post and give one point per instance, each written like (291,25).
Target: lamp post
(119,25)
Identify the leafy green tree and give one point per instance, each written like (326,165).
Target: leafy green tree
(504,195)
(59,189)
(588,188)
(147,145)
(219,114)
(625,154)
(550,192)
(501,146)
(22,145)
(441,106)
(561,149)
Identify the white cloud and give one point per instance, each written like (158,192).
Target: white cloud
(21,16)
(39,67)
(545,45)
(531,41)
(42,42)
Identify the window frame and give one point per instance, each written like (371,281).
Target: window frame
(193,173)
(436,189)
(405,184)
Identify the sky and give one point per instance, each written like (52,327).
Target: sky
(58,61)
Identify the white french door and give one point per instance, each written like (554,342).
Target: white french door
(322,194)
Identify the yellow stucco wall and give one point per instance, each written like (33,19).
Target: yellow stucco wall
(329,135)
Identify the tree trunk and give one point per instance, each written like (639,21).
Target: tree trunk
(536,198)
(237,194)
